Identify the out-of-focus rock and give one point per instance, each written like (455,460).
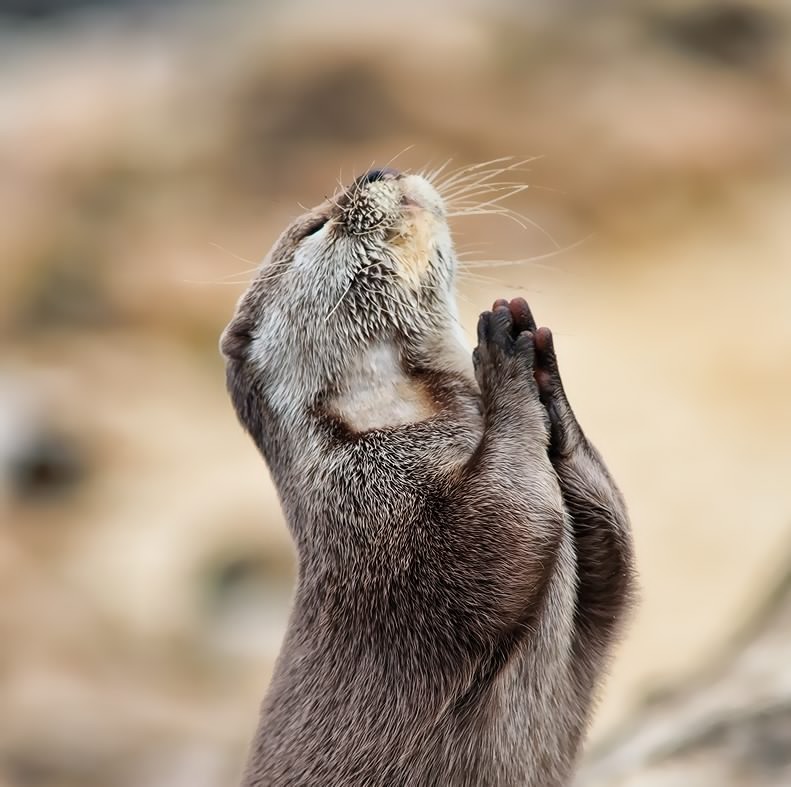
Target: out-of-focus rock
(730,726)
(38,461)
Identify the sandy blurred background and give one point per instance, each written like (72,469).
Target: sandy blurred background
(149,155)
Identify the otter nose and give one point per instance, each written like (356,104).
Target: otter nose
(379,174)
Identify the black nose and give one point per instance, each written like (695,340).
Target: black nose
(378,174)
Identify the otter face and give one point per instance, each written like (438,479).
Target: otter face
(374,266)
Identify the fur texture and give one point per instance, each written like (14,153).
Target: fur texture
(464,555)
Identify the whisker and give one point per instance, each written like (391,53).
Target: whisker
(470,248)
(461,295)
(464,279)
(533,262)
(228,278)
(465,275)
(527,261)
(352,280)
(485,179)
(512,192)
(492,212)
(232,254)
(431,175)
(466,177)
(333,200)
(472,273)
(470,171)
(398,155)
(460,255)
(482,175)
(213,283)
(500,210)
(472,189)
(340,300)
(245,273)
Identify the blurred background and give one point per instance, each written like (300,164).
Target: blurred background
(150,153)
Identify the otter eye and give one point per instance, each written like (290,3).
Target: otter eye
(314,226)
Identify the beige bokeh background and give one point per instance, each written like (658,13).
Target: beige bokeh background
(149,155)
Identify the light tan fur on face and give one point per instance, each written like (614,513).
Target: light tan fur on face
(413,246)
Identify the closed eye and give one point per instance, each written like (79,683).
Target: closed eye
(314,226)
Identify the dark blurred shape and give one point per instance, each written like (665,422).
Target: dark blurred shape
(247,591)
(47,467)
(51,10)
(378,174)
(236,575)
(730,34)
(238,579)
(756,742)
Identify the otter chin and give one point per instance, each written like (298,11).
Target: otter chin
(465,557)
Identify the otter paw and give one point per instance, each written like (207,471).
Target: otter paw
(545,367)
(520,313)
(504,354)
(564,430)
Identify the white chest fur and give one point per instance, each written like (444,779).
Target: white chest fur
(377,394)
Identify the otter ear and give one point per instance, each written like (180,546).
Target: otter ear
(236,339)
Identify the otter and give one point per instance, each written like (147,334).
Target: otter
(464,556)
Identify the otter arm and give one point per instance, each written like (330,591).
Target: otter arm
(508,511)
(601,524)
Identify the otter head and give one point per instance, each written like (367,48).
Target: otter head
(371,268)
